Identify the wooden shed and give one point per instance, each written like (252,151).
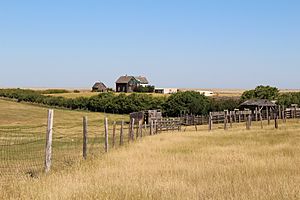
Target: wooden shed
(99,87)
(260,104)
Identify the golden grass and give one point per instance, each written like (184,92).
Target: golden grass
(234,164)
(14,114)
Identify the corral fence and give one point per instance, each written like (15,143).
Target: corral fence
(28,151)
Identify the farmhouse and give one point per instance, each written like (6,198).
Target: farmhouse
(130,83)
(166,90)
(99,87)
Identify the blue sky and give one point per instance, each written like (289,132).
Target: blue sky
(195,44)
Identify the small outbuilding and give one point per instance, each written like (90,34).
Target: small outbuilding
(99,87)
(260,104)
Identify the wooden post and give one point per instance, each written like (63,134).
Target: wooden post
(261,120)
(145,129)
(48,151)
(225,120)
(140,129)
(279,112)
(250,120)
(256,116)
(276,121)
(210,122)
(85,135)
(268,117)
(151,127)
(106,134)
(283,114)
(121,133)
(132,129)
(114,135)
(230,119)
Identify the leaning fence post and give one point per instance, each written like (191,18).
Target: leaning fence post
(85,133)
(48,152)
(106,134)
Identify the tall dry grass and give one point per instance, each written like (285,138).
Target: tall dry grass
(234,164)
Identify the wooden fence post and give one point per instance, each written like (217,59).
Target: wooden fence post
(132,129)
(146,129)
(141,129)
(276,120)
(210,122)
(256,116)
(48,151)
(114,135)
(261,120)
(121,133)
(85,137)
(106,134)
(268,117)
(225,120)
(151,127)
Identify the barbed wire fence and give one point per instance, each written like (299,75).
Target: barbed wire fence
(23,150)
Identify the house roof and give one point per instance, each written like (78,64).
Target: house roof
(99,85)
(124,79)
(142,79)
(258,102)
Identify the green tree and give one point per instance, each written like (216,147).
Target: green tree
(261,92)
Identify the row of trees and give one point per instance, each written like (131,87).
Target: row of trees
(176,104)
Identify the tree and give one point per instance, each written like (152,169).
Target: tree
(261,92)
(188,102)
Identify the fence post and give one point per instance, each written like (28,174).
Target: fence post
(48,151)
(121,133)
(132,129)
(210,122)
(141,129)
(106,134)
(114,135)
(256,116)
(225,120)
(85,135)
(261,120)
(151,127)
(276,120)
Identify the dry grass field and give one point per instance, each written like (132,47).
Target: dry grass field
(233,164)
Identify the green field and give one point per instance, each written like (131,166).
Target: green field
(233,164)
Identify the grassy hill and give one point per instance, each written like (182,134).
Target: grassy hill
(233,164)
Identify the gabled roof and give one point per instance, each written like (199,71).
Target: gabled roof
(258,102)
(99,85)
(142,79)
(124,79)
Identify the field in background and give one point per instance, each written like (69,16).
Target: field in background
(233,164)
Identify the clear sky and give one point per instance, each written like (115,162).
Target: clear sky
(195,44)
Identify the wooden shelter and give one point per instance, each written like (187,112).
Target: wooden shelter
(259,104)
(99,87)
